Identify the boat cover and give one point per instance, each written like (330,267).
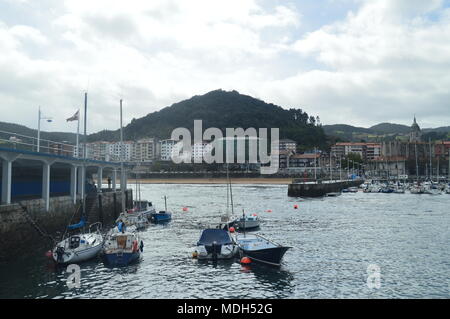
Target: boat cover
(79,225)
(220,236)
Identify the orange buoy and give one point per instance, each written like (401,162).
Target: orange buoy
(246,260)
(269,211)
(185,209)
(194,254)
(232,230)
(295,206)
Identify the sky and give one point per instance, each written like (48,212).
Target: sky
(357,62)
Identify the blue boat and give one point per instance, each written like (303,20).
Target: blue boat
(161,217)
(122,247)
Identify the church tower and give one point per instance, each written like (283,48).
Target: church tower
(415,134)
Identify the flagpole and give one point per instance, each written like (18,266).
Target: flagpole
(78,134)
(39,129)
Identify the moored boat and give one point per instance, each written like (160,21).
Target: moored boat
(79,248)
(260,249)
(248,222)
(122,247)
(161,217)
(215,244)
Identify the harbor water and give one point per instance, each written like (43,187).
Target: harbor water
(337,242)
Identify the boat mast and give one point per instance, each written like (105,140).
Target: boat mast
(83,176)
(122,177)
(165,203)
(417,164)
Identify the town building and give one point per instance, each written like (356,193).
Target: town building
(167,149)
(288,145)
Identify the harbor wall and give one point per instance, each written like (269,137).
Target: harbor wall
(319,189)
(27,224)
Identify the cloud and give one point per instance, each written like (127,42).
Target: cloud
(385,62)
(380,61)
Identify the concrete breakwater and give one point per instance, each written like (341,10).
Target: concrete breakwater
(319,189)
(25,223)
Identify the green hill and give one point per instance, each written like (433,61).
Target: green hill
(223,109)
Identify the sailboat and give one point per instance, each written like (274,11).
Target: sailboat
(162,216)
(79,248)
(83,246)
(122,244)
(143,207)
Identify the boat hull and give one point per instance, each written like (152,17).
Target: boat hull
(269,256)
(121,259)
(161,218)
(249,224)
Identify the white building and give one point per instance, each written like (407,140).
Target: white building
(199,150)
(167,149)
(288,145)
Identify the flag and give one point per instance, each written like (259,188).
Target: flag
(75,117)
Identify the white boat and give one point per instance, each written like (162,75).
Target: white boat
(78,248)
(145,207)
(215,244)
(416,189)
(399,190)
(134,218)
(248,222)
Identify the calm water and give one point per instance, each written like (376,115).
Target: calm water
(335,239)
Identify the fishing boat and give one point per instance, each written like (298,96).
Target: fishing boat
(145,207)
(260,249)
(215,244)
(122,246)
(80,247)
(163,216)
(247,222)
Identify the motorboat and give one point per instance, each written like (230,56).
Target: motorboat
(215,244)
(122,246)
(260,249)
(80,247)
(247,222)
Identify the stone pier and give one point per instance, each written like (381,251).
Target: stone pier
(52,218)
(319,189)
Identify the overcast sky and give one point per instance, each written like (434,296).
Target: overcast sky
(349,61)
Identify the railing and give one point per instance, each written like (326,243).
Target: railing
(30,143)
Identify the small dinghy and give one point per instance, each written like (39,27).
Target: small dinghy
(215,244)
(122,246)
(79,248)
(260,249)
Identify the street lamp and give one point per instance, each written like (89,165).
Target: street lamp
(49,119)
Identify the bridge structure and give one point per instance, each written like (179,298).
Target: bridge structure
(31,174)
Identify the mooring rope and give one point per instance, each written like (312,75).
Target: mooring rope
(34,223)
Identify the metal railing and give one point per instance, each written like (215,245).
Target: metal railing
(29,143)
